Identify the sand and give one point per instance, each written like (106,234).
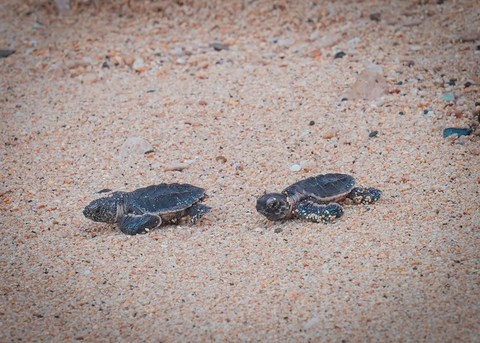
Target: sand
(405,269)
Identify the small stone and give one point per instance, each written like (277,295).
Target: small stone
(105,65)
(285,42)
(128,60)
(458,131)
(179,166)
(203,103)
(373,134)
(316,53)
(295,168)
(375,16)
(401,113)
(370,84)
(311,123)
(138,64)
(329,134)
(219,46)
(339,54)
(6,53)
(134,145)
(448,97)
(221,159)
(89,78)
(278,230)
(470,36)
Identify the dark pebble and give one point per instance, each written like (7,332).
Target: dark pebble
(149,152)
(467,84)
(451,82)
(151,91)
(339,54)
(6,53)
(278,230)
(456,130)
(105,190)
(373,134)
(344,99)
(311,123)
(399,83)
(219,46)
(105,65)
(401,113)
(477,103)
(375,16)
(478,48)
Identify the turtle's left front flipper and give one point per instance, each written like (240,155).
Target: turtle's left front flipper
(133,224)
(315,212)
(197,211)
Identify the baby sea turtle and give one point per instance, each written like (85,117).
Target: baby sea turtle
(315,198)
(147,208)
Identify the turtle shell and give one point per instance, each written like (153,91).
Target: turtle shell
(165,198)
(324,187)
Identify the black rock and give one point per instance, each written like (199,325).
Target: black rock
(219,46)
(457,130)
(373,134)
(6,53)
(311,123)
(375,16)
(339,54)
(105,65)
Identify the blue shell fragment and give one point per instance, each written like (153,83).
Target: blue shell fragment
(457,130)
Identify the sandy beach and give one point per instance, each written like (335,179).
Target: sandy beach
(240,98)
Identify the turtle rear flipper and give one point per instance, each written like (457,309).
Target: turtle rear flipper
(197,211)
(365,195)
(133,224)
(315,212)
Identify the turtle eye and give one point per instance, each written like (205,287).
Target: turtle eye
(272,203)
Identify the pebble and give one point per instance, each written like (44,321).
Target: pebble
(375,16)
(128,60)
(456,130)
(138,64)
(178,166)
(370,84)
(6,53)
(295,168)
(221,159)
(329,134)
(134,145)
(373,134)
(339,54)
(448,97)
(219,46)
(89,78)
(470,36)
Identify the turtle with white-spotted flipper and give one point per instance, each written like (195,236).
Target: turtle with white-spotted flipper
(315,198)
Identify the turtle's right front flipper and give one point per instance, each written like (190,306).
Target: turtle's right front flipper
(315,212)
(133,224)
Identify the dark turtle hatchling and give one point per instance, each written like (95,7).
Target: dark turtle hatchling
(147,208)
(315,198)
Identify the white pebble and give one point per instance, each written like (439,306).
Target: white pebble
(295,167)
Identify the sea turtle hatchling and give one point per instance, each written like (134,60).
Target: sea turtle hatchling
(147,208)
(315,198)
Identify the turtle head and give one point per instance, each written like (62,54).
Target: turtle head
(102,210)
(274,206)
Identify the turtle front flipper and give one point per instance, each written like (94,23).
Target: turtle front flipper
(133,224)
(197,211)
(315,212)
(364,195)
